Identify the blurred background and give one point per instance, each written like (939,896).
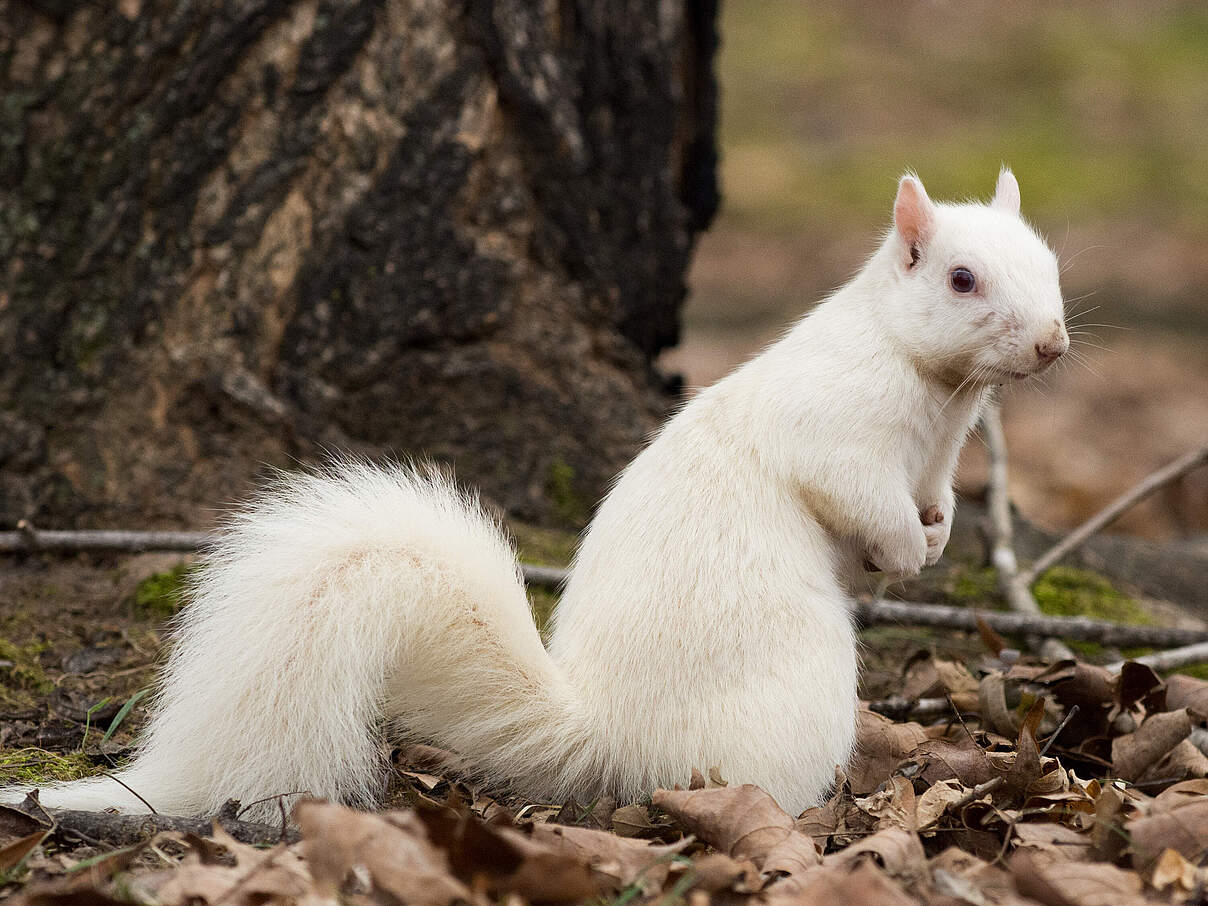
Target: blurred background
(1101,110)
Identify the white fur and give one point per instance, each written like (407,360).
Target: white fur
(706,622)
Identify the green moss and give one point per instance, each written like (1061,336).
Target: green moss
(22,678)
(1064,591)
(547,547)
(973,586)
(1199,671)
(161,595)
(1068,592)
(542,601)
(544,547)
(39,766)
(560,488)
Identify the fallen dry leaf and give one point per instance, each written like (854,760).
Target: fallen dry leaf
(393,849)
(881,745)
(614,862)
(1183,828)
(935,801)
(1063,883)
(1183,762)
(1172,870)
(631,821)
(840,885)
(1052,839)
(13,853)
(954,759)
(1107,834)
(1151,742)
(716,873)
(1187,692)
(892,806)
(1140,686)
(743,822)
(899,852)
(247,877)
(971,881)
(1178,795)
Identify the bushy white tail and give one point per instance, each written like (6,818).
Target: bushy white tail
(333,601)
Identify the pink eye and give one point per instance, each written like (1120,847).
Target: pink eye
(962,280)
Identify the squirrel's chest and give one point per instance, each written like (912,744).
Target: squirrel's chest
(930,445)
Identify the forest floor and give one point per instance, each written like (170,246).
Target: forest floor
(913,819)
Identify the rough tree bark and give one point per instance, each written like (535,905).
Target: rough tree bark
(241,232)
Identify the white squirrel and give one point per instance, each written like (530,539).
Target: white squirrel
(707,619)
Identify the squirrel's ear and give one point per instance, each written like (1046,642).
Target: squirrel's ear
(1006,192)
(913,216)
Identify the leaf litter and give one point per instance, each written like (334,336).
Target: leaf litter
(1055,784)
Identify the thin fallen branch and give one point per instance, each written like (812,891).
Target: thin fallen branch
(897,708)
(869,613)
(543,576)
(1153,482)
(1084,629)
(1196,653)
(1002,555)
(126,830)
(982,789)
(28,539)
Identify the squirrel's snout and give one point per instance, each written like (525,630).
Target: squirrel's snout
(1052,348)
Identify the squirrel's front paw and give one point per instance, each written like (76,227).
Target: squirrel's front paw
(903,556)
(937,528)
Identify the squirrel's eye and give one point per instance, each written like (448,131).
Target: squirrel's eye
(962,280)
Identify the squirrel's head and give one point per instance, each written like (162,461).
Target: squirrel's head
(977,296)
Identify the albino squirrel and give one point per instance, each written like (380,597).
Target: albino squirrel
(707,619)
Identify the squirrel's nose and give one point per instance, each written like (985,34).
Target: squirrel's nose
(1053,348)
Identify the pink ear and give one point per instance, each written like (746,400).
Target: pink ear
(913,213)
(1006,192)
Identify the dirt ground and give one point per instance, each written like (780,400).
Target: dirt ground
(75,646)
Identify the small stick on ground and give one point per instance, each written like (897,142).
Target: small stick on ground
(1002,554)
(1084,629)
(1069,715)
(1162,477)
(28,539)
(126,830)
(1170,660)
(898,708)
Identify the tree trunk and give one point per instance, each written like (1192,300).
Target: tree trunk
(245,232)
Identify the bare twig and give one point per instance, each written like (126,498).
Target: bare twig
(28,539)
(897,708)
(1069,715)
(124,830)
(1162,477)
(1002,554)
(908,613)
(543,576)
(1173,659)
(127,830)
(976,793)
(869,613)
